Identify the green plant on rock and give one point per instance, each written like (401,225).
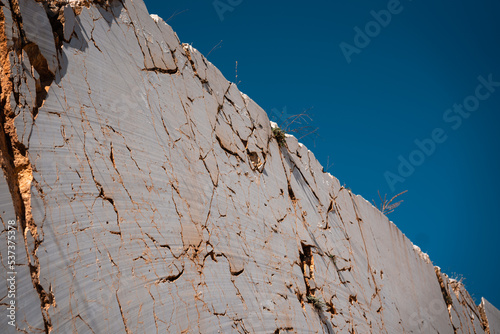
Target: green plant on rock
(279,134)
(317,302)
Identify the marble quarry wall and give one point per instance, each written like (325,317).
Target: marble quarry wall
(146,194)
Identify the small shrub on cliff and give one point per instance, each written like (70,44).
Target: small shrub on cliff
(317,302)
(279,134)
(387,206)
(300,125)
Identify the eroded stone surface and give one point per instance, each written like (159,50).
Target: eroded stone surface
(491,316)
(152,197)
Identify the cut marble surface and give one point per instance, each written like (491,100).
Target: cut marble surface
(492,316)
(151,196)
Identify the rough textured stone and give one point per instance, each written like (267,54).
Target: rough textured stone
(491,317)
(151,196)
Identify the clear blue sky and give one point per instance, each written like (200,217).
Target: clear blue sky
(395,90)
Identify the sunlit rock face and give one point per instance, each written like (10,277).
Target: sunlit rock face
(151,196)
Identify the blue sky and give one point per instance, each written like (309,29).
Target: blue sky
(395,87)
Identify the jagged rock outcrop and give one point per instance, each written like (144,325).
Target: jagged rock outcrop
(151,197)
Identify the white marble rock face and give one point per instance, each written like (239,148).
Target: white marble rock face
(152,197)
